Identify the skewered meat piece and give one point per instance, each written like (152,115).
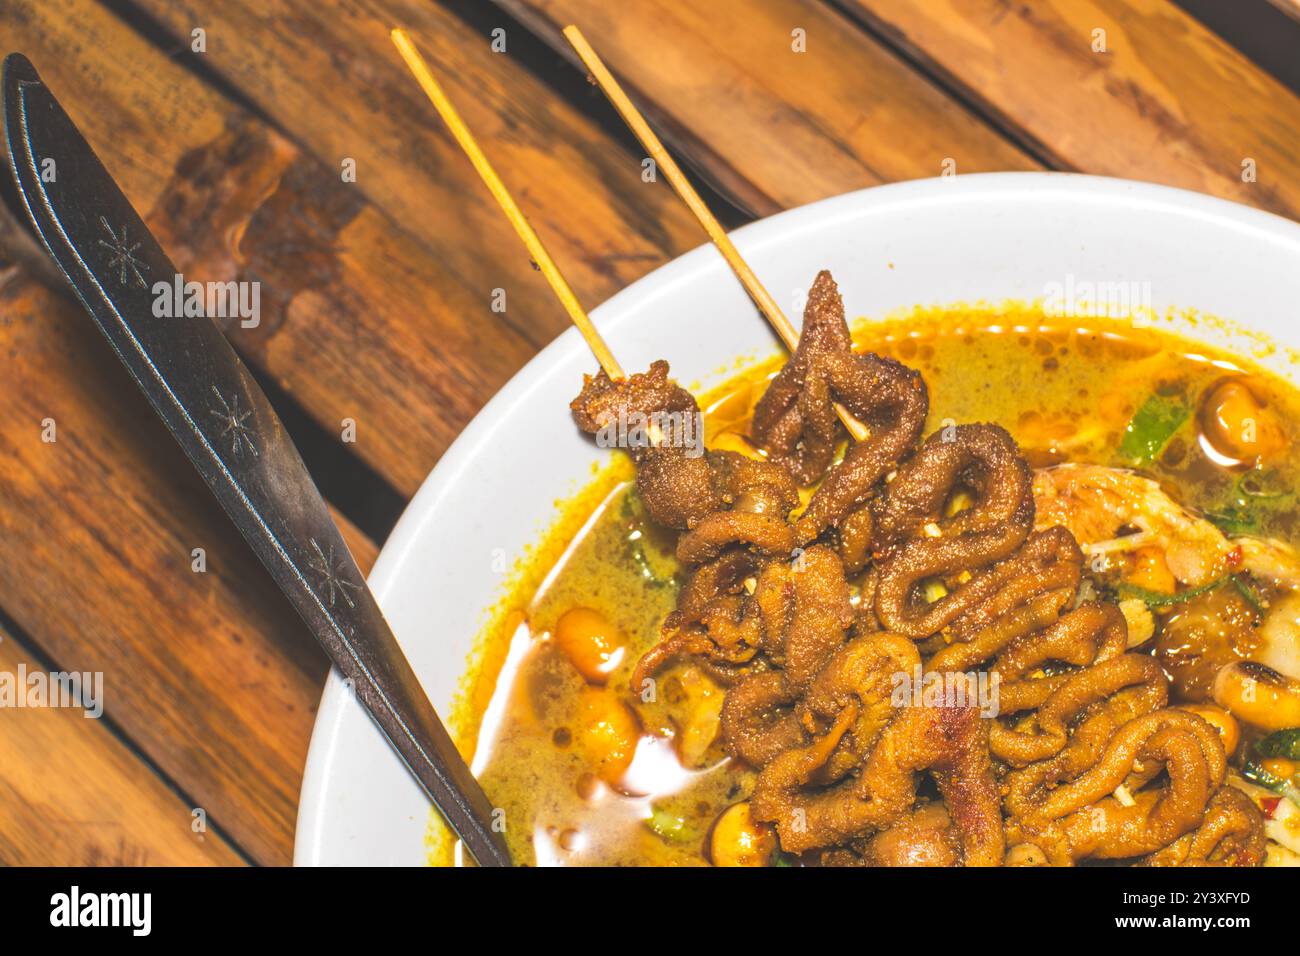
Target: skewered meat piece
(603,400)
(658,422)
(796,420)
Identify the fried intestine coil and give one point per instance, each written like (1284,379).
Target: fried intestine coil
(798,614)
(891,400)
(1109,812)
(1230,834)
(815,801)
(759,719)
(1059,699)
(919,543)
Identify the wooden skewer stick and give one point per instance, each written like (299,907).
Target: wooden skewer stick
(416,64)
(632,116)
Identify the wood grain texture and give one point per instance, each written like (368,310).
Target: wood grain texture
(768,126)
(332,78)
(334,82)
(72,794)
(1168,101)
(359,319)
(211,674)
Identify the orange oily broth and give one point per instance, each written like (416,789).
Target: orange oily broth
(540,774)
(1064,393)
(1067,394)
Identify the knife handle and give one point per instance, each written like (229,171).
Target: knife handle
(226,426)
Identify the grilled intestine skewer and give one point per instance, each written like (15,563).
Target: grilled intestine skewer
(767,610)
(603,78)
(718,498)
(808,700)
(748,617)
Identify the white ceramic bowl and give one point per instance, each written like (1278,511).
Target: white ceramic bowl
(969,238)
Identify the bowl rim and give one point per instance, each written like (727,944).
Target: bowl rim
(444,478)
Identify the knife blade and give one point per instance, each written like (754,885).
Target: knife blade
(226,426)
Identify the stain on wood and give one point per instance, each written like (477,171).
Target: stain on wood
(338,87)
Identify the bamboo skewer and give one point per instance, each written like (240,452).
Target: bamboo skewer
(416,64)
(636,122)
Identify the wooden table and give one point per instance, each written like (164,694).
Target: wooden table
(377,294)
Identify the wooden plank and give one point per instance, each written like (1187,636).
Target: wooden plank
(769,126)
(382,291)
(359,319)
(1168,101)
(331,77)
(72,794)
(211,674)
(1266,33)
(1290,7)
(23,258)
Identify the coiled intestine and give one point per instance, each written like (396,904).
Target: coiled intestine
(1084,759)
(1086,817)
(1229,835)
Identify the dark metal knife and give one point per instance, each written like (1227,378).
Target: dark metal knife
(223,421)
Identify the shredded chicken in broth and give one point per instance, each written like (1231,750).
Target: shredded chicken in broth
(1045,613)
